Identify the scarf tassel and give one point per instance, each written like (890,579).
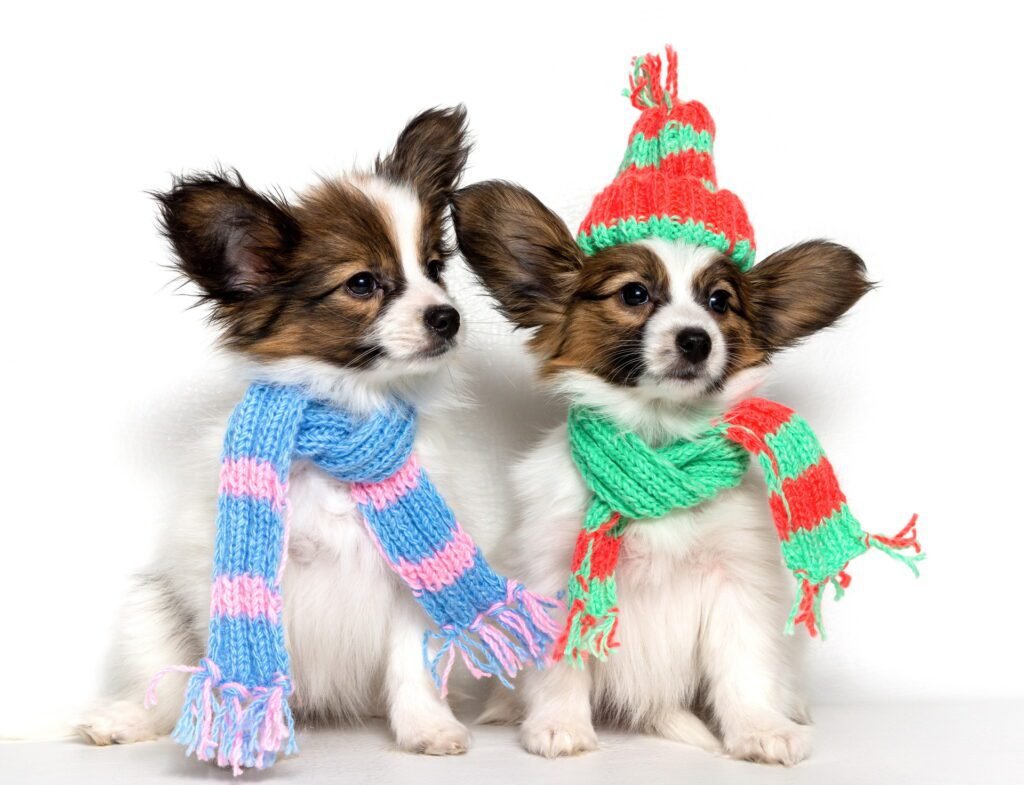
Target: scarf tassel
(229,723)
(500,642)
(807,607)
(586,634)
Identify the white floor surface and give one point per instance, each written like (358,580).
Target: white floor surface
(933,744)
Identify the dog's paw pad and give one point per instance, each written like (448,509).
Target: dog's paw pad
(555,740)
(450,738)
(786,745)
(119,723)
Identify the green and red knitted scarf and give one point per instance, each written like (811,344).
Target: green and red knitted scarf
(632,481)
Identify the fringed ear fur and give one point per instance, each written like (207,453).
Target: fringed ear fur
(521,251)
(804,288)
(430,155)
(228,239)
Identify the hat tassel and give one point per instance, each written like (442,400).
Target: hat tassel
(645,87)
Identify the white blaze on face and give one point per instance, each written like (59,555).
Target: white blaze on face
(683,262)
(401,330)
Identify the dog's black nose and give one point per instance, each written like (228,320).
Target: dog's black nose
(443,320)
(694,344)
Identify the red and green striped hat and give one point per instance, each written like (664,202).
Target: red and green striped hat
(666,186)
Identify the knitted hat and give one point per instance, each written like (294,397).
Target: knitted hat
(666,186)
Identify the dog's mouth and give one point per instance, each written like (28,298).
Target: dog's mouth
(436,348)
(692,383)
(685,375)
(435,352)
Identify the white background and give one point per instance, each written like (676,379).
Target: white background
(894,131)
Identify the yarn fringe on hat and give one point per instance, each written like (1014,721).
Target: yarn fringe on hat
(666,186)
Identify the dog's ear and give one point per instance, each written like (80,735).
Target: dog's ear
(430,155)
(229,239)
(521,251)
(804,288)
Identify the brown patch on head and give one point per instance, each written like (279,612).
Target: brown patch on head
(288,280)
(526,257)
(276,273)
(600,333)
(579,307)
(346,234)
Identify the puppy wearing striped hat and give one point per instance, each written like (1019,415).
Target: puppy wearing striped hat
(657,326)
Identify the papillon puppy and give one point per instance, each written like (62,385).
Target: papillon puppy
(342,292)
(662,337)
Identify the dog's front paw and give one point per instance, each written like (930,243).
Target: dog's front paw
(557,739)
(435,737)
(785,743)
(121,722)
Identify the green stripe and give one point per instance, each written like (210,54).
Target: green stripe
(666,227)
(771,479)
(795,446)
(599,600)
(674,137)
(820,553)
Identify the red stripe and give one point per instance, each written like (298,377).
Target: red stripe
(693,113)
(813,496)
(602,547)
(779,516)
(685,163)
(645,193)
(605,555)
(759,415)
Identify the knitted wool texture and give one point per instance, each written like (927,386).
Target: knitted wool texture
(666,186)
(632,481)
(236,709)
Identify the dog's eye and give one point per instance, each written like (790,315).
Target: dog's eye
(361,284)
(719,301)
(634,294)
(434,269)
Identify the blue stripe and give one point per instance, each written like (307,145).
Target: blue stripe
(354,449)
(249,651)
(418,525)
(264,424)
(477,590)
(249,537)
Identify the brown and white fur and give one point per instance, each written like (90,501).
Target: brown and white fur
(662,336)
(342,292)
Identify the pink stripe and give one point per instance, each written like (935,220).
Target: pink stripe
(384,494)
(244,595)
(255,478)
(443,568)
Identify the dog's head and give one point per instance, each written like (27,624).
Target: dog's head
(650,323)
(348,279)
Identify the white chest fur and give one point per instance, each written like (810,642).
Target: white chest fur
(674,575)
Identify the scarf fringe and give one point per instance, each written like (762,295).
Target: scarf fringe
(229,723)
(807,606)
(500,642)
(586,635)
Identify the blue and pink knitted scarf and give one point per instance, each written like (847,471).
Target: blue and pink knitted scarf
(236,709)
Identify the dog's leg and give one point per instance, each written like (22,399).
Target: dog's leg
(420,719)
(558,717)
(157,630)
(745,657)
